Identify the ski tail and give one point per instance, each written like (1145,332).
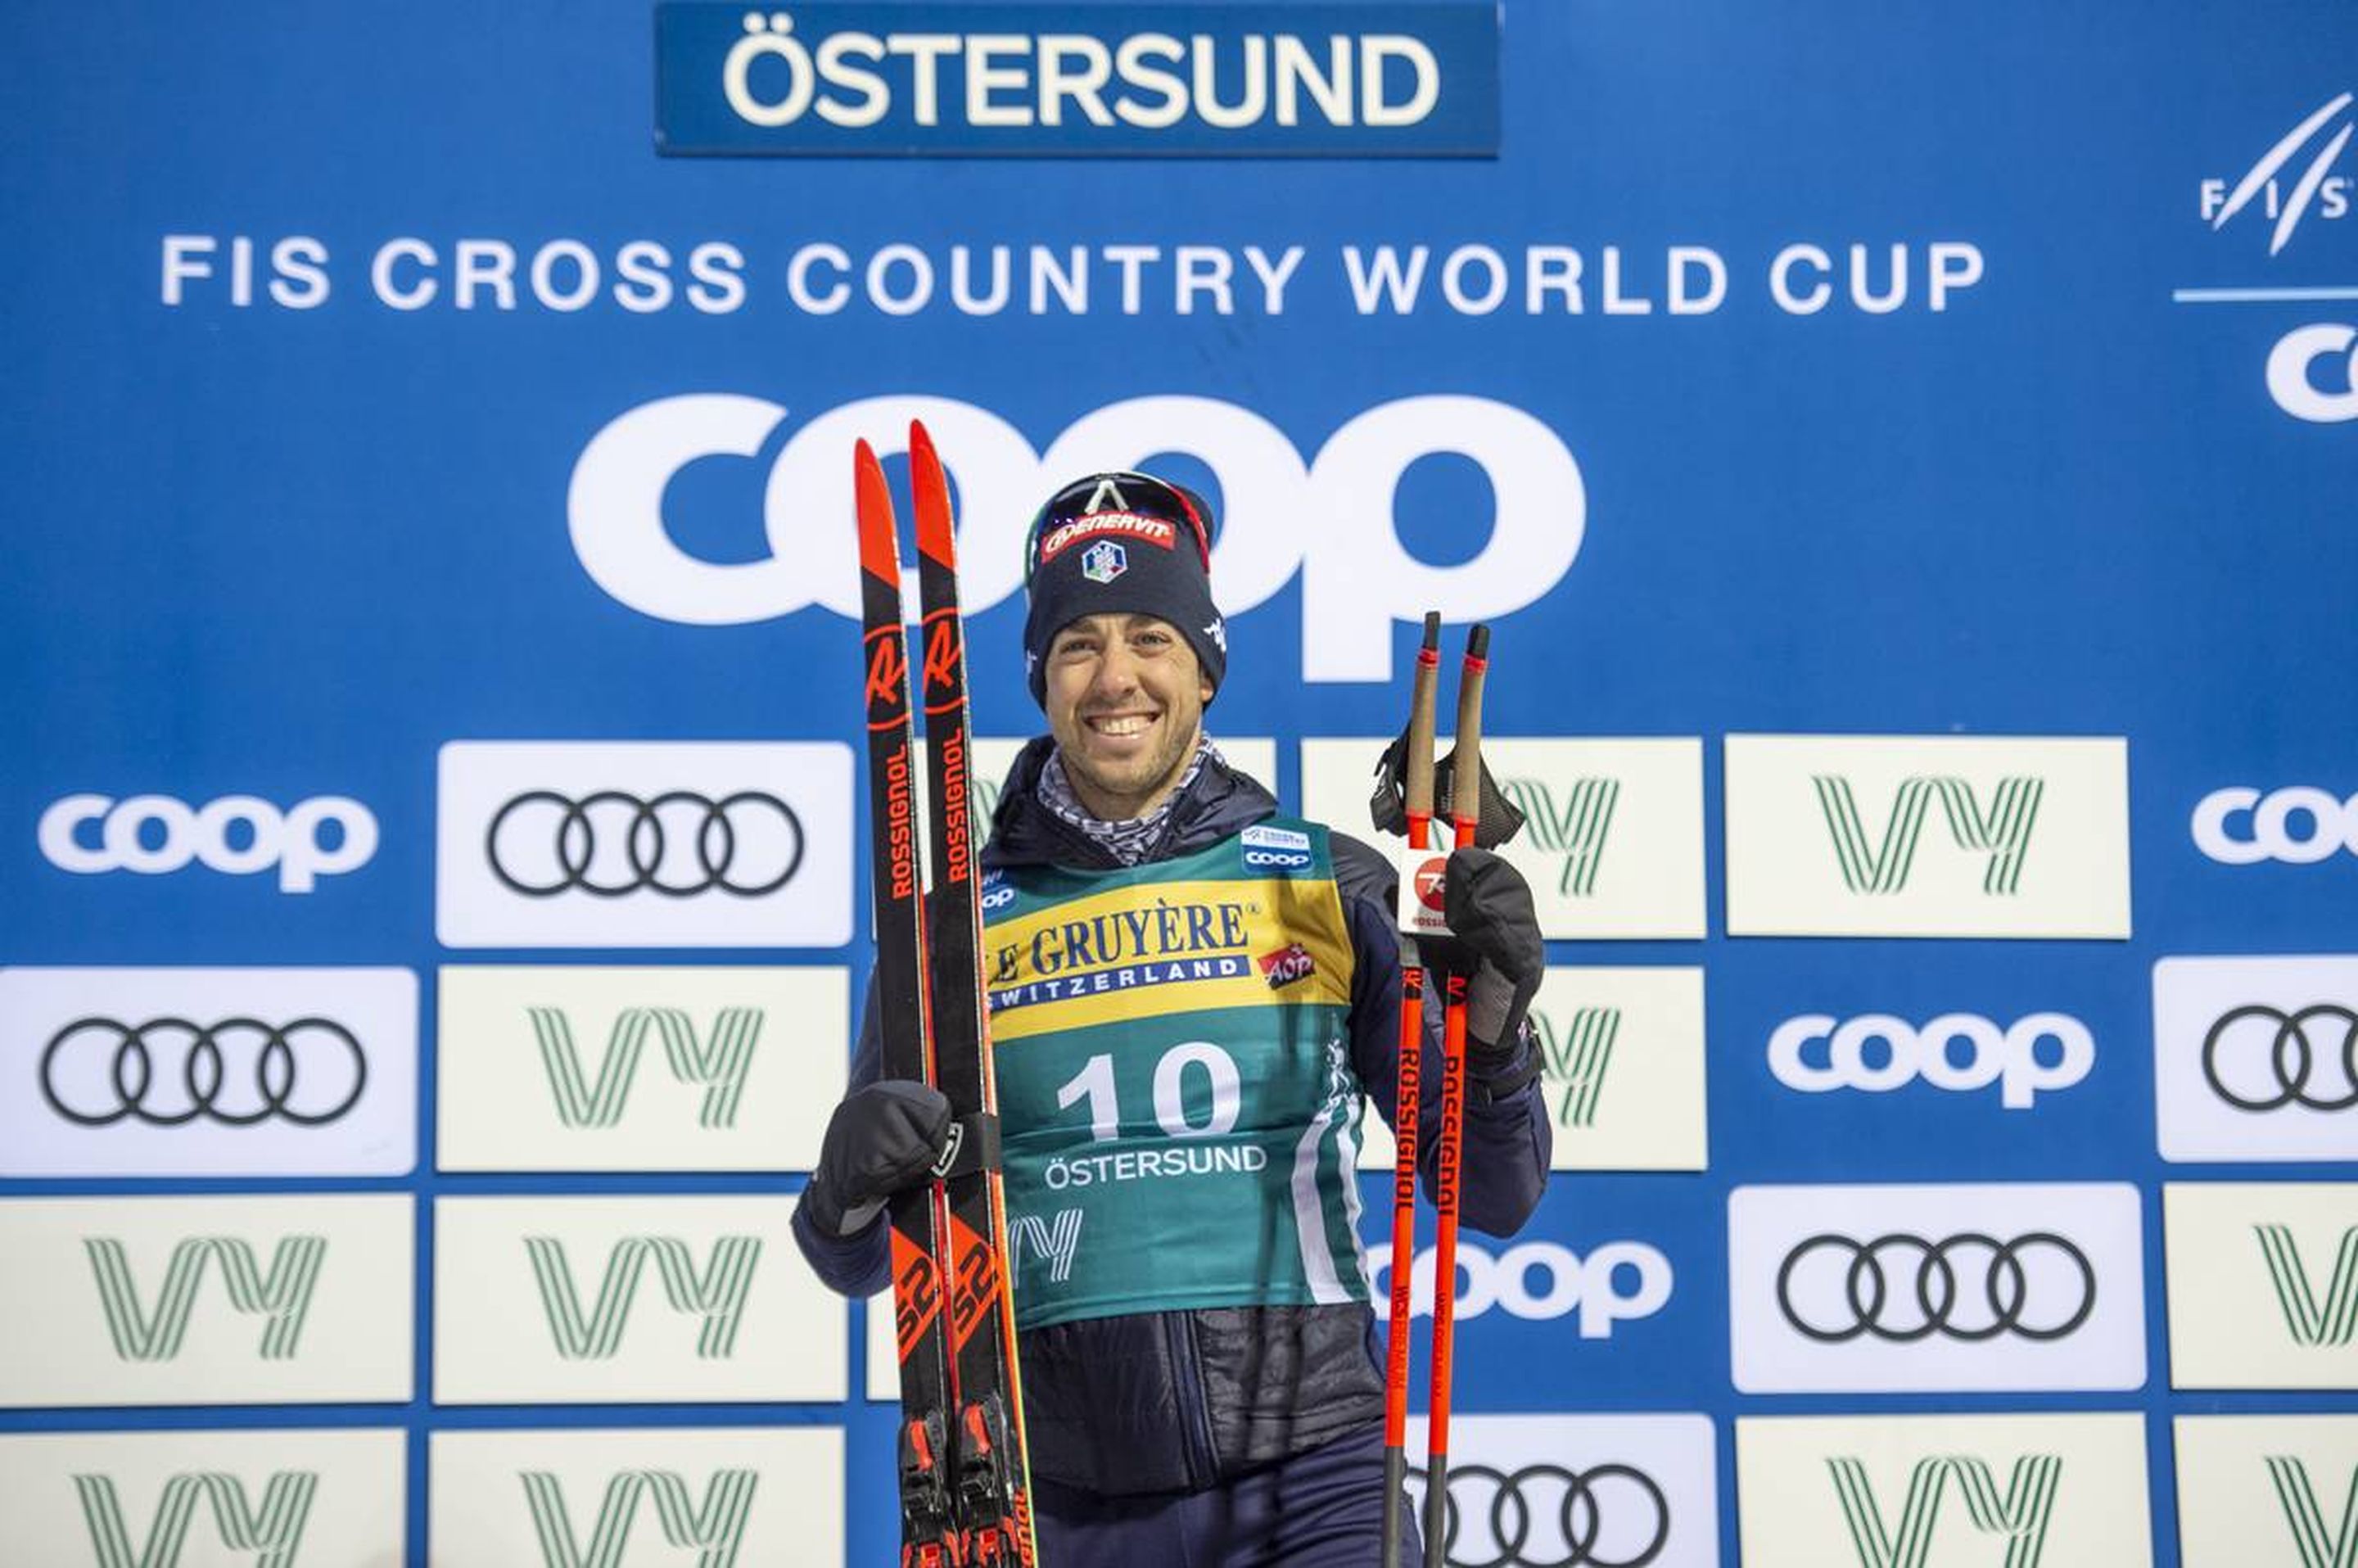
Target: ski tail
(921,1278)
(993,1492)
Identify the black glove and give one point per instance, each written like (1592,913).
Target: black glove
(1499,818)
(1496,942)
(882,1139)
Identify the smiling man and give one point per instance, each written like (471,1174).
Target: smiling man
(1191,994)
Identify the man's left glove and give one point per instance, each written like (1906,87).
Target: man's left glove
(1496,942)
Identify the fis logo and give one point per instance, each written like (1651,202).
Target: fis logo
(2018,1515)
(2322,138)
(1574,1060)
(719,1065)
(273,1531)
(2002,832)
(717,1295)
(2315,1319)
(281,1295)
(714,1532)
(1576,829)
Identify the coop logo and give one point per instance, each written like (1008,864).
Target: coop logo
(1877,1053)
(2002,832)
(1329,521)
(2312,149)
(2299,825)
(273,1529)
(1277,850)
(1574,827)
(238,834)
(997,891)
(842,76)
(1617,1282)
(715,1294)
(714,1530)
(2017,1515)
(280,1296)
(718,1063)
(2313,374)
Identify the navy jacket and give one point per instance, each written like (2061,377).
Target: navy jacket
(1179,1401)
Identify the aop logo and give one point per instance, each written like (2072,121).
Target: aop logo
(274,1530)
(1621,1282)
(715,1530)
(2018,1515)
(1877,1053)
(1329,520)
(715,1294)
(238,834)
(2300,824)
(1574,829)
(2003,832)
(718,1064)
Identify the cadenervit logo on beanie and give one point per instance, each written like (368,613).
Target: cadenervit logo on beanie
(1169,578)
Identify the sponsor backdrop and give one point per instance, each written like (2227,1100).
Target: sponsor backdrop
(1905,453)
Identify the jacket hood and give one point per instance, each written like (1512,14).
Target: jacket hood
(1221,802)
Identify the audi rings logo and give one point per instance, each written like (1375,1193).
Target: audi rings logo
(678,843)
(2263,1058)
(1903,1288)
(168,1072)
(1548,1516)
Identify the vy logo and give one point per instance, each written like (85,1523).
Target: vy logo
(2018,1515)
(1574,1058)
(715,1532)
(718,1064)
(1575,829)
(716,1295)
(2315,1319)
(2318,1547)
(281,1296)
(2002,832)
(273,1532)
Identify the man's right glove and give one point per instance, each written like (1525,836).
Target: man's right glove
(882,1138)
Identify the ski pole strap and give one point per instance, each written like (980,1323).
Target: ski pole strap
(1487,1088)
(973,1146)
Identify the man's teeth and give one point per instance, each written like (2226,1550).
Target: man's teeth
(1131,725)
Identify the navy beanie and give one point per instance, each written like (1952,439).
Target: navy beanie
(1116,543)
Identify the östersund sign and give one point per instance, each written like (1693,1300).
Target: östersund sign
(833,78)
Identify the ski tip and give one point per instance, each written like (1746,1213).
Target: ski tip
(931,487)
(879,551)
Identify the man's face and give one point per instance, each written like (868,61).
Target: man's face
(1125,699)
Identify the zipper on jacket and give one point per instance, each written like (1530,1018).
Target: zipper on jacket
(1187,1388)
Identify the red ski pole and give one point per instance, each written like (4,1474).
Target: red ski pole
(1418,780)
(1465,816)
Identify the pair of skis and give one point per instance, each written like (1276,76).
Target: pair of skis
(1421,883)
(965,1485)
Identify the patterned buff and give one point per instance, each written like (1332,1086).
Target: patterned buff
(1131,841)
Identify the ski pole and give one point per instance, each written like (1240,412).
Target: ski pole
(1419,782)
(1464,816)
